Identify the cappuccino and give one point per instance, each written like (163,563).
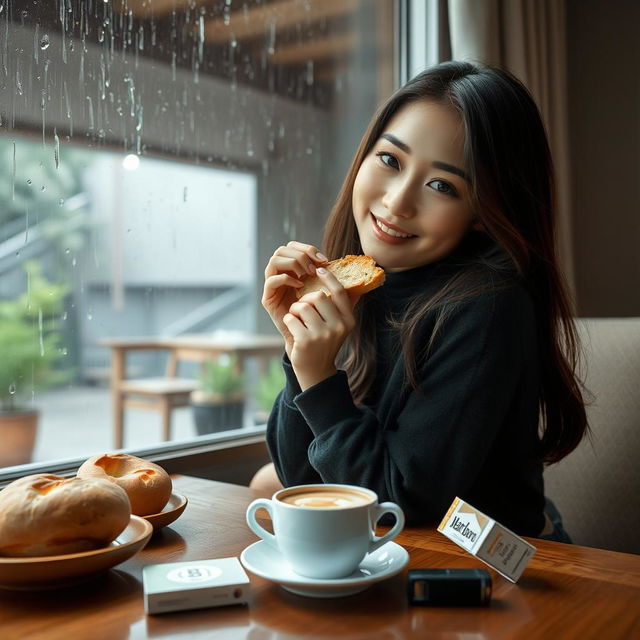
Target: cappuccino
(324,531)
(326,499)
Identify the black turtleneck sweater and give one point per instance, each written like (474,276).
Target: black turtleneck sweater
(469,430)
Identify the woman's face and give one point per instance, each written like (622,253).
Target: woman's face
(411,196)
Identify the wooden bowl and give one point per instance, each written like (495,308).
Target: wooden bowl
(50,572)
(172,511)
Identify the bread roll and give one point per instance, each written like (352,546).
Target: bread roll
(357,274)
(147,484)
(46,515)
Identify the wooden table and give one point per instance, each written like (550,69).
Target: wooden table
(566,592)
(165,394)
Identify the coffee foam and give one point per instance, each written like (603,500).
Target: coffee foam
(326,499)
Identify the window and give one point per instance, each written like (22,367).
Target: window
(153,155)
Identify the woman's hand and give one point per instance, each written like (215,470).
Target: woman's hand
(283,274)
(319,325)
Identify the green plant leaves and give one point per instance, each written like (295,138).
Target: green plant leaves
(30,345)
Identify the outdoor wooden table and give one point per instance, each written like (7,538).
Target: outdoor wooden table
(164,394)
(566,592)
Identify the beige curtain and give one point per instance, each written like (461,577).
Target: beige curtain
(527,37)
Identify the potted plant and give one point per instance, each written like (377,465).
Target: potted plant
(269,386)
(218,403)
(30,348)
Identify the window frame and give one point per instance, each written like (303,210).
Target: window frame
(226,456)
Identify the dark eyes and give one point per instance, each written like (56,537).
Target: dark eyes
(389,159)
(440,186)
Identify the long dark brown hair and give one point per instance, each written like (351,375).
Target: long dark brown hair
(509,163)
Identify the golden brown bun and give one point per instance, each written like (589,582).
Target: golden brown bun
(47,515)
(357,274)
(147,484)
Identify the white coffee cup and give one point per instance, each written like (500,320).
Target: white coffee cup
(324,531)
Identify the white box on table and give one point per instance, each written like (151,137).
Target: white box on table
(177,586)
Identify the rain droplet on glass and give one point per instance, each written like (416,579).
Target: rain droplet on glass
(44,42)
(40,332)
(56,148)
(271,39)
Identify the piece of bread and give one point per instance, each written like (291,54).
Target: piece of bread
(47,515)
(147,484)
(357,274)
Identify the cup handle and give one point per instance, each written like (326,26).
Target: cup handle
(381,509)
(261,532)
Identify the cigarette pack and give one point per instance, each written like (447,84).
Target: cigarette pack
(177,586)
(486,539)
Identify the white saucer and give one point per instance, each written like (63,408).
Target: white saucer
(265,561)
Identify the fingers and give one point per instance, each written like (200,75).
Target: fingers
(310,250)
(296,258)
(320,313)
(273,283)
(279,263)
(308,313)
(338,294)
(323,305)
(295,326)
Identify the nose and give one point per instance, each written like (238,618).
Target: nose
(400,199)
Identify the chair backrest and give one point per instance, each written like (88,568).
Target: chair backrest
(597,487)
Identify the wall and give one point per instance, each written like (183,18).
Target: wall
(604,111)
(170,224)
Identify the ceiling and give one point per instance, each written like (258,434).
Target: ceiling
(295,48)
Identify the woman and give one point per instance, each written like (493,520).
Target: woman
(457,377)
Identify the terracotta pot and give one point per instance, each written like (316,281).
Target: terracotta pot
(18,436)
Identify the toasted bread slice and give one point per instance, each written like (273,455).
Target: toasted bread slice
(357,274)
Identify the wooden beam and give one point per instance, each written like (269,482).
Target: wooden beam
(284,13)
(329,72)
(245,24)
(299,54)
(159,8)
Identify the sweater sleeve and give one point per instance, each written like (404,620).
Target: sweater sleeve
(438,441)
(289,436)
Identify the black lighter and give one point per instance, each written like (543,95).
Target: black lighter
(458,587)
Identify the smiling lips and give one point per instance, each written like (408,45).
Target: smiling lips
(391,235)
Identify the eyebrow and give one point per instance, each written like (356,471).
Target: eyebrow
(436,163)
